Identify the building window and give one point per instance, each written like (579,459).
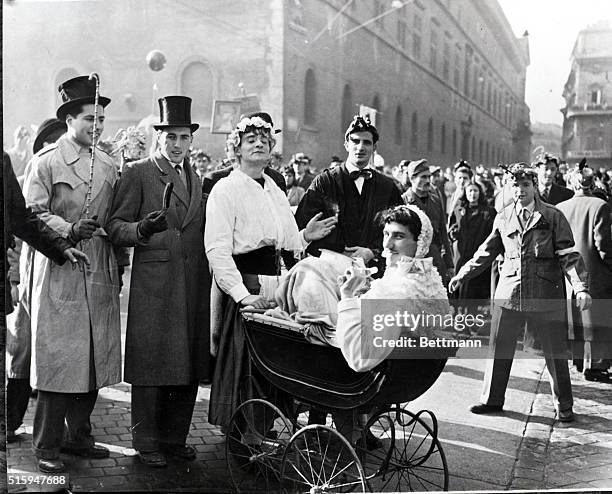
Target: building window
(467,70)
(347,107)
(416,36)
(454,143)
(489,95)
(443,139)
(310,98)
(446,61)
(197,82)
(487,157)
(398,126)
(595,97)
(414,128)
(473,153)
(401,33)
(480,151)
(433,48)
(476,82)
(430,135)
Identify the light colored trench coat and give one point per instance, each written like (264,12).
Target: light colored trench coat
(73,311)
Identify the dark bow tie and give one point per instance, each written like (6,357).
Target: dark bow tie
(365,173)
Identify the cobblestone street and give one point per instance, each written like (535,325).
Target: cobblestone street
(541,454)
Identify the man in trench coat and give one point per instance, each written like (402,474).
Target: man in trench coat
(75,319)
(167,348)
(591,330)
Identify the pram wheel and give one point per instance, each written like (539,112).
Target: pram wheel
(318,459)
(257,436)
(411,458)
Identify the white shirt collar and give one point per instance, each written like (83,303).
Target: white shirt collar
(352,168)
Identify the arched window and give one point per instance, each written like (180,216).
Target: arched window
(399,131)
(62,76)
(414,129)
(347,107)
(430,135)
(310,98)
(443,139)
(454,144)
(197,83)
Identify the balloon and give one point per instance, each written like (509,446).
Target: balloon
(156,60)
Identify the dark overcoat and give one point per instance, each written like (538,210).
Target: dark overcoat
(468,228)
(167,341)
(589,219)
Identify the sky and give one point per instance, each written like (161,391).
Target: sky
(553,26)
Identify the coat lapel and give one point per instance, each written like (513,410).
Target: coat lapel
(171,176)
(195,196)
(513,224)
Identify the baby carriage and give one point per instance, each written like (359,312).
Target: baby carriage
(276,450)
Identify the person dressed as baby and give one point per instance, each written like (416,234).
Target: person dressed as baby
(318,293)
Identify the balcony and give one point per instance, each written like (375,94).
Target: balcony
(588,109)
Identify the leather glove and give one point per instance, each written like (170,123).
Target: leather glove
(154,222)
(84,229)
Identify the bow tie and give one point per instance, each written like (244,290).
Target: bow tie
(365,173)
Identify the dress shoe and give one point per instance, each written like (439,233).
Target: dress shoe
(51,466)
(152,459)
(93,452)
(181,451)
(598,375)
(565,415)
(481,409)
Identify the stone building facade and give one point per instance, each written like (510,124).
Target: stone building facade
(447,77)
(587,122)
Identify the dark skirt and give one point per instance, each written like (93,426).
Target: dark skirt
(232,363)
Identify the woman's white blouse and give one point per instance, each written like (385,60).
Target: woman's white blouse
(241,216)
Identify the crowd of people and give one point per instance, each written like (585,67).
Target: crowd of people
(206,238)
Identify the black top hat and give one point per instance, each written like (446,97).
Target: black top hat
(175,111)
(45,129)
(264,116)
(80,90)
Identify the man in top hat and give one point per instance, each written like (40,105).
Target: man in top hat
(538,251)
(167,340)
(75,319)
(422,195)
(591,330)
(19,335)
(549,191)
(355,193)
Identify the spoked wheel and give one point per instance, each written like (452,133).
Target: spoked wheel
(319,459)
(257,436)
(411,456)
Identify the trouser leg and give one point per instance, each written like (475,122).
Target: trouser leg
(145,415)
(77,434)
(48,427)
(18,393)
(506,325)
(176,412)
(556,352)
